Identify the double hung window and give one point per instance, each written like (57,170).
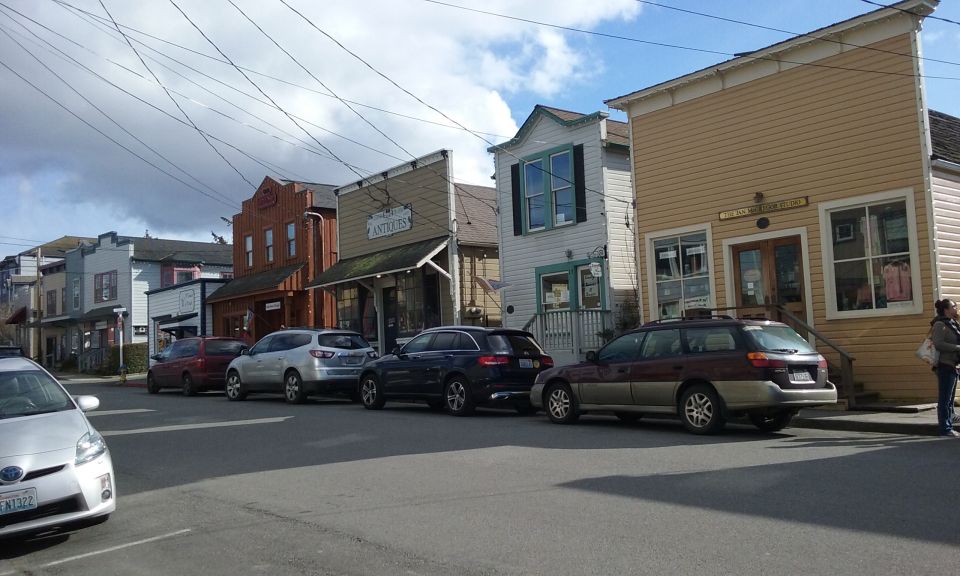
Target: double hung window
(682,274)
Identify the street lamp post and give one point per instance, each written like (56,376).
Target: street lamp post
(123,368)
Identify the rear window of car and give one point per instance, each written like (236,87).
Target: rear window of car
(342,341)
(778,339)
(224,347)
(511,343)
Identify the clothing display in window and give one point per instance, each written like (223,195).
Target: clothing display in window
(897,281)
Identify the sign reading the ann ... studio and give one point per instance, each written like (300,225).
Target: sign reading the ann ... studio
(764,208)
(390,221)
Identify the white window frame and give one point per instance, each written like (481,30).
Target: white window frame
(248,250)
(527,196)
(268,244)
(826,243)
(648,241)
(566,183)
(291,239)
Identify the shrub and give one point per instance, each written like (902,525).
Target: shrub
(134,356)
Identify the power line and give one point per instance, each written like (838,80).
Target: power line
(174,100)
(930,16)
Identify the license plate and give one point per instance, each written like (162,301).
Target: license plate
(526,363)
(802,376)
(12,502)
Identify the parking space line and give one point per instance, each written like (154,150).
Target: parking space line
(114,548)
(115,412)
(195,426)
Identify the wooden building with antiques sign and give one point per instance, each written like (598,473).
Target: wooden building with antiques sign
(412,246)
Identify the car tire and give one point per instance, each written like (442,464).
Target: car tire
(189,389)
(701,411)
(293,391)
(628,416)
(560,403)
(457,397)
(152,386)
(771,421)
(371,396)
(235,388)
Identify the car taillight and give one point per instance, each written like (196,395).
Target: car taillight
(373,354)
(546,361)
(493,360)
(822,362)
(760,360)
(321,354)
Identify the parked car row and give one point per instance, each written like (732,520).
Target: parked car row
(704,370)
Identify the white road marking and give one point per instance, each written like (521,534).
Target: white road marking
(114,412)
(195,426)
(115,548)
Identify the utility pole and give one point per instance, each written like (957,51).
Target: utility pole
(38,286)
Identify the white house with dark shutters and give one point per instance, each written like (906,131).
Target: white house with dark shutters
(566,225)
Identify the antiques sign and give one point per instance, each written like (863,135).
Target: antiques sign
(389,222)
(764,208)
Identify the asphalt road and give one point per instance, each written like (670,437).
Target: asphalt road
(212,487)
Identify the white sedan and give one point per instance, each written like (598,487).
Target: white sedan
(55,468)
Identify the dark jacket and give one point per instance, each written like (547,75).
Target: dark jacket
(946,339)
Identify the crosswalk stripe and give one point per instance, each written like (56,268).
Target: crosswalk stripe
(115,412)
(195,426)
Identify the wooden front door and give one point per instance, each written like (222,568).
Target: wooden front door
(769,272)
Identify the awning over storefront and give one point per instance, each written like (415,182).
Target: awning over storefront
(387,261)
(254,283)
(99,313)
(167,319)
(19,316)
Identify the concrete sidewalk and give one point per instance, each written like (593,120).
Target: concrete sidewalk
(917,420)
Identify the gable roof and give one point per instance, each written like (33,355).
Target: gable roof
(616,130)
(476,214)
(58,248)
(920,8)
(945,136)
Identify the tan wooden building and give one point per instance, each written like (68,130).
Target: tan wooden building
(412,246)
(803,182)
(284,236)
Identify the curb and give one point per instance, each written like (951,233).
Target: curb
(904,428)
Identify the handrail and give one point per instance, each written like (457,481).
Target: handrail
(526,327)
(846,359)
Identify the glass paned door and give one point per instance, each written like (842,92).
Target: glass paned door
(769,272)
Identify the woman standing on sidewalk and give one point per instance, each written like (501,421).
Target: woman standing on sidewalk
(946,338)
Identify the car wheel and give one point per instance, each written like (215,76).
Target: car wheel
(293,388)
(628,416)
(236,390)
(152,386)
(771,421)
(561,404)
(188,388)
(701,411)
(370,394)
(457,398)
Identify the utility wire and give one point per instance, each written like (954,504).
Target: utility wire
(174,100)
(931,16)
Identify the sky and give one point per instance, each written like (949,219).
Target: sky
(165,128)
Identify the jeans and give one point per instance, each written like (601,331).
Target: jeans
(947,386)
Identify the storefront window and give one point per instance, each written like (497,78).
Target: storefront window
(682,274)
(872,266)
(555,291)
(409,304)
(348,308)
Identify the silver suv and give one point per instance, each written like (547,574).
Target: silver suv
(299,362)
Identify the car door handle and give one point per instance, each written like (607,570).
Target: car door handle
(621,370)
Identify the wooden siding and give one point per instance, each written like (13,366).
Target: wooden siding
(291,201)
(107,257)
(521,255)
(426,188)
(146,276)
(823,133)
(485,263)
(621,254)
(946,219)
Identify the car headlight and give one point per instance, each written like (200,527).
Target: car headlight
(89,447)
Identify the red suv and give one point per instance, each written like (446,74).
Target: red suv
(193,364)
(704,370)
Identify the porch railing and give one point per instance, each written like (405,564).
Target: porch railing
(573,330)
(92,359)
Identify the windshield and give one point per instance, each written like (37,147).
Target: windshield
(778,339)
(342,341)
(30,392)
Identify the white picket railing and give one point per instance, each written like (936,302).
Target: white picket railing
(576,331)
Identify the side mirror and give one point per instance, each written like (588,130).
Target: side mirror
(155,357)
(395,351)
(592,356)
(87,403)
(244,352)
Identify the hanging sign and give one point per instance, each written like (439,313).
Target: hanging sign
(271,306)
(390,221)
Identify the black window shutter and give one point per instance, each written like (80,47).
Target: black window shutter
(579,184)
(517,202)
